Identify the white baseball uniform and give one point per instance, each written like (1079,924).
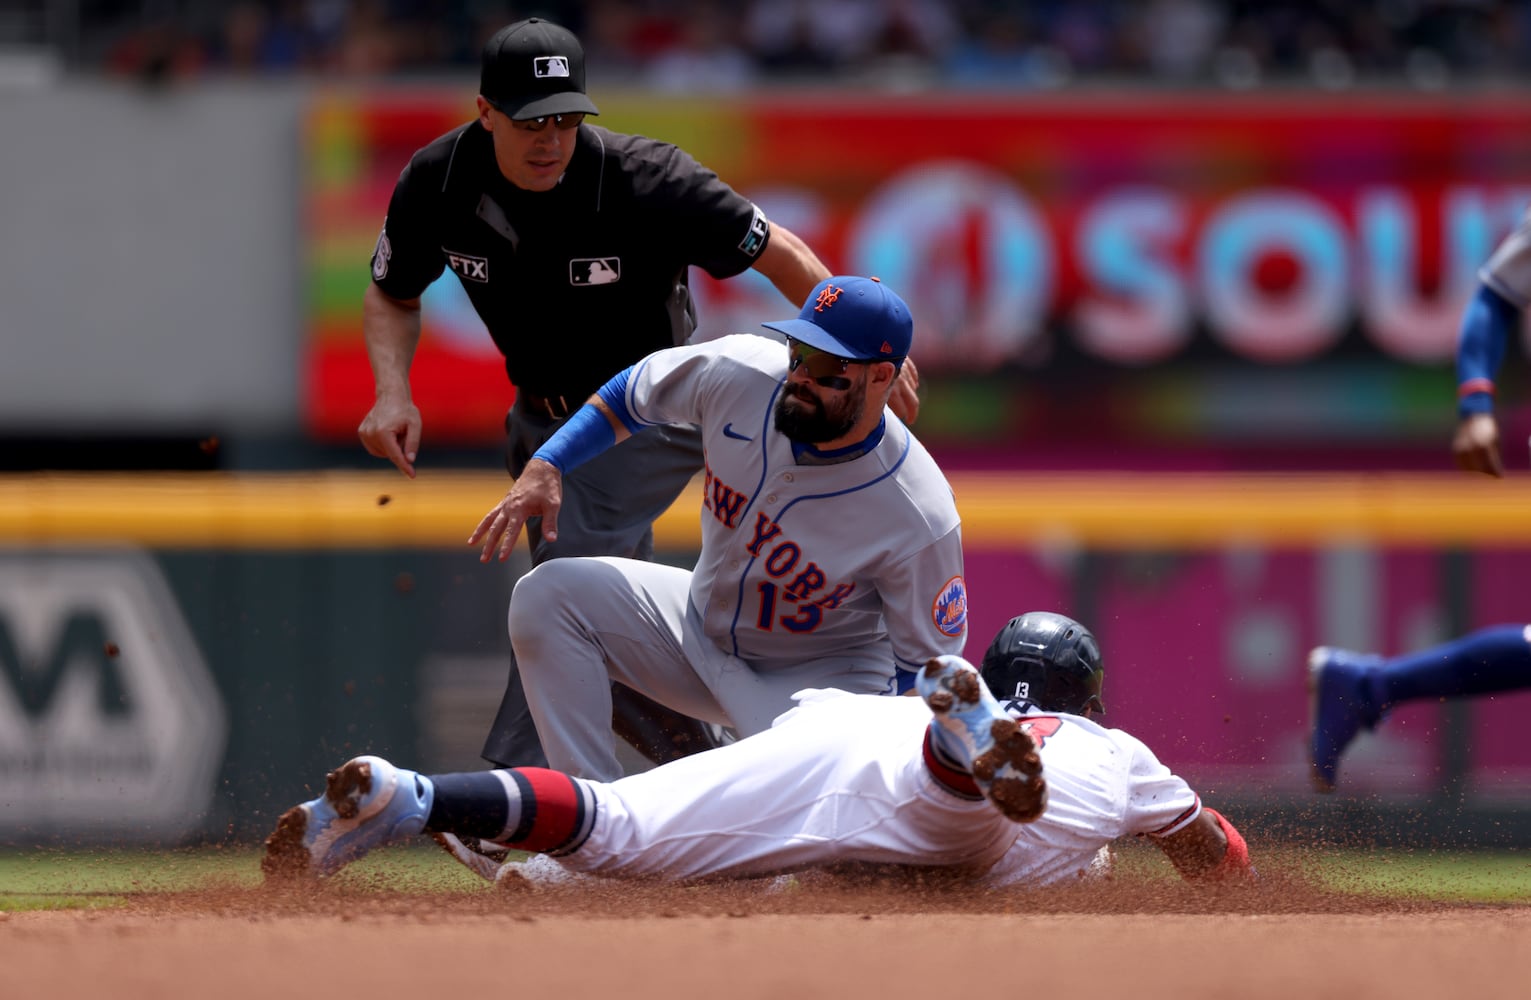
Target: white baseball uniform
(843,778)
(1508,269)
(810,575)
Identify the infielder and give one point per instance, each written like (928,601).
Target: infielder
(1352,691)
(1023,794)
(831,547)
(574,245)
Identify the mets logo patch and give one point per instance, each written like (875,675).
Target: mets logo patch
(595,270)
(950,608)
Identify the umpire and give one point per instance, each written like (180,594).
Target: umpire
(573,243)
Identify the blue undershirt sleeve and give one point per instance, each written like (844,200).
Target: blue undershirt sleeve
(1486,326)
(587,432)
(614,395)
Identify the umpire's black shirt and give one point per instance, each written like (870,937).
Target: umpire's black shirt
(578,282)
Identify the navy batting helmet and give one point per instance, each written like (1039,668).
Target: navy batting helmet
(1047,659)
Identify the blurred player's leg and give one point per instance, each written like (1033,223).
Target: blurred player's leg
(1354,691)
(1340,705)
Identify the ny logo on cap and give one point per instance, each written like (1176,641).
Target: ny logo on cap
(828,295)
(546,66)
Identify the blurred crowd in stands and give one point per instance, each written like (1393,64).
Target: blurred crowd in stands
(719,45)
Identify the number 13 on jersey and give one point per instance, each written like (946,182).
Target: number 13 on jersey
(779,605)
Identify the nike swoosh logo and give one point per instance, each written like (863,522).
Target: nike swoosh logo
(728,431)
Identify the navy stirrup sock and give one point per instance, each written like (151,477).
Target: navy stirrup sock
(475,804)
(531,808)
(1482,662)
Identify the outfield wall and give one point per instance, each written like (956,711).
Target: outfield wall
(184,656)
(1091,271)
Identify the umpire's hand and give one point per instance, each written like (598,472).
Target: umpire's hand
(905,400)
(391,430)
(538,493)
(1476,445)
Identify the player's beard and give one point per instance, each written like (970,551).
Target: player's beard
(810,420)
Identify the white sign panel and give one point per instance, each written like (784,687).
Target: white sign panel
(109,720)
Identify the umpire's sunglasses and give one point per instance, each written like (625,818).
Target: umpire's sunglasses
(561,122)
(828,370)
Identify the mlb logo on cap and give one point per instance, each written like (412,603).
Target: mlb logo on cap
(546,66)
(534,68)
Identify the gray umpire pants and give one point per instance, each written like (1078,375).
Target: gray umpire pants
(609,507)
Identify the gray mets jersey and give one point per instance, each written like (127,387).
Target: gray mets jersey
(843,778)
(802,561)
(810,576)
(1508,269)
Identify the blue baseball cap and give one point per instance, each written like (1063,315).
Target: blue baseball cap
(858,318)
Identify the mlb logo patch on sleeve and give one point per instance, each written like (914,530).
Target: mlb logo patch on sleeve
(753,240)
(595,270)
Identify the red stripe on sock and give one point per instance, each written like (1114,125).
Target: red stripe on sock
(555,810)
(947,776)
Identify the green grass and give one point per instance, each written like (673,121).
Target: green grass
(1483,878)
(1445,876)
(51,879)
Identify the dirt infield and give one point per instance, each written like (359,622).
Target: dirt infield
(819,940)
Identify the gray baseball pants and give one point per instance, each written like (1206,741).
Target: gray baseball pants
(609,507)
(577,625)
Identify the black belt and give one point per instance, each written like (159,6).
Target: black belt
(556,407)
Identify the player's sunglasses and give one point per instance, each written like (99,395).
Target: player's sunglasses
(828,370)
(561,122)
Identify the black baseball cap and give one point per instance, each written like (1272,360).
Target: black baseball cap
(535,68)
